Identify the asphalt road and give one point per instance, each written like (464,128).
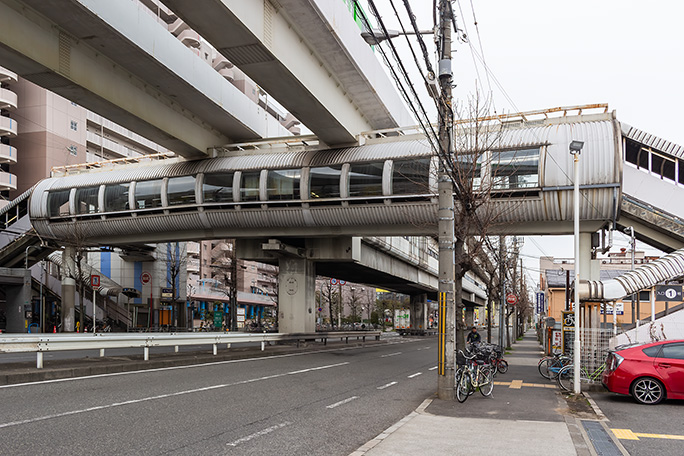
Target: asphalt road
(666,418)
(325,402)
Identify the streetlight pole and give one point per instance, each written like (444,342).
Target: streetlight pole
(575,149)
(445,187)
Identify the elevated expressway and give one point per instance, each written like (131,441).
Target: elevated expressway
(116,59)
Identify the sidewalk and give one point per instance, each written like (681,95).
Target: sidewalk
(526,415)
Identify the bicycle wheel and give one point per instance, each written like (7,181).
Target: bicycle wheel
(463,386)
(486,381)
(502,366)
(548,368)
(566,378)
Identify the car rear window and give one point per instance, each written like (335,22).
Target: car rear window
(651,351)
(673,351)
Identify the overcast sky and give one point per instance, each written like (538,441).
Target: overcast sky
(629,54)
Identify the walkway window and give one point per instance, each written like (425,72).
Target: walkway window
(283,184)
(116,197)
(662,166)
(148,194)
(411,177)
(515,169)
(181,190)
(218,188)
(58,203)
(366,179)
(324,181)
(86,200)
(680,172)
(249,189)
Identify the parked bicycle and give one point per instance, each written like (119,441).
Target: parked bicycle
(566,375)
(549,366)
(472,374)
(492,354)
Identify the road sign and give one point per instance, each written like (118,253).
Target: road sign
(511,299)
(541,298)
(167,293)
(608,309)
(95,281)
(668,293)
(145,278)
(333,281)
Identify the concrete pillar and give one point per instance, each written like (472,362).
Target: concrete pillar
(419,312)
(296,295)
(17,285)
(470,316)
(68,290)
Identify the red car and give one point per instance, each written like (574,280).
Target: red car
(648,372)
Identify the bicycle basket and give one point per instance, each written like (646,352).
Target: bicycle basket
(460,359)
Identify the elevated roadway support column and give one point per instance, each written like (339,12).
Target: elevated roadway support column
(469,316)
(419,312)
(17,285)
(68,290)
(296,295)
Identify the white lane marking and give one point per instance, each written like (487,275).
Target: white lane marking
(426,348)
(161,369)
(337,404)
(164,396)
(259,434)
(415,375)
(387,386)
(390,354)
(432,368)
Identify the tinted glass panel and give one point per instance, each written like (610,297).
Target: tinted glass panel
(656,163)
(469,168)
(58,203)
(116,197)
(631,152)
(672,351)
(325,181)
(643,159)
(366,179)
(283,184)
(411,177)
(148,194)
(515,169)
(249,190)
(86,200)
(669,169)
(651,351)
(181,190)
(218,187)
(681,171)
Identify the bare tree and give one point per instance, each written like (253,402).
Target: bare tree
(73,268)
(354,302)
(175,260)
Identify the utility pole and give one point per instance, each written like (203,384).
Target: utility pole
(445,186)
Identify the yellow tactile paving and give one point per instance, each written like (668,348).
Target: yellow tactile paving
(517,384)
(627,434)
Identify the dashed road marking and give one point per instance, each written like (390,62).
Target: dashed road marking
(432,368)
(387,385)
(628,434)
(258,434)
(415,375)
(390,354)
(344,401)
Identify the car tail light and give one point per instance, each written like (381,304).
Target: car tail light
(614,361)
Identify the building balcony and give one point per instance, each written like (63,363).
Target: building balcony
(8,154)
(8,99)
(7,75)
(8,127)
(8,181)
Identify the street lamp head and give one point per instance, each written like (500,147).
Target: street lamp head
(576,146)
(376,36)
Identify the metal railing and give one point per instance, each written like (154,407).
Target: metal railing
(41,343)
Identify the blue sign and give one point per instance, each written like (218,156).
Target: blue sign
(541,302)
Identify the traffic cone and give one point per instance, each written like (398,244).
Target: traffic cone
(54,329)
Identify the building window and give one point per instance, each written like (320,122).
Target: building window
(218,187)
(148,194)
(86,200)
(73,150)
(181,190)
(515,169)
(116,197)
(74,125)
(411,177)
(58,203)
(249,190)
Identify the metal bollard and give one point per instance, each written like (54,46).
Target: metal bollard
(102,352)
(39,360)
(263,344)
(147,353)
(176,348)
(215,349)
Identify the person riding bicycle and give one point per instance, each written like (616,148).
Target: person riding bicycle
(473,337)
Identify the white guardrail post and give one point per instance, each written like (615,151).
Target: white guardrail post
(41,343)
